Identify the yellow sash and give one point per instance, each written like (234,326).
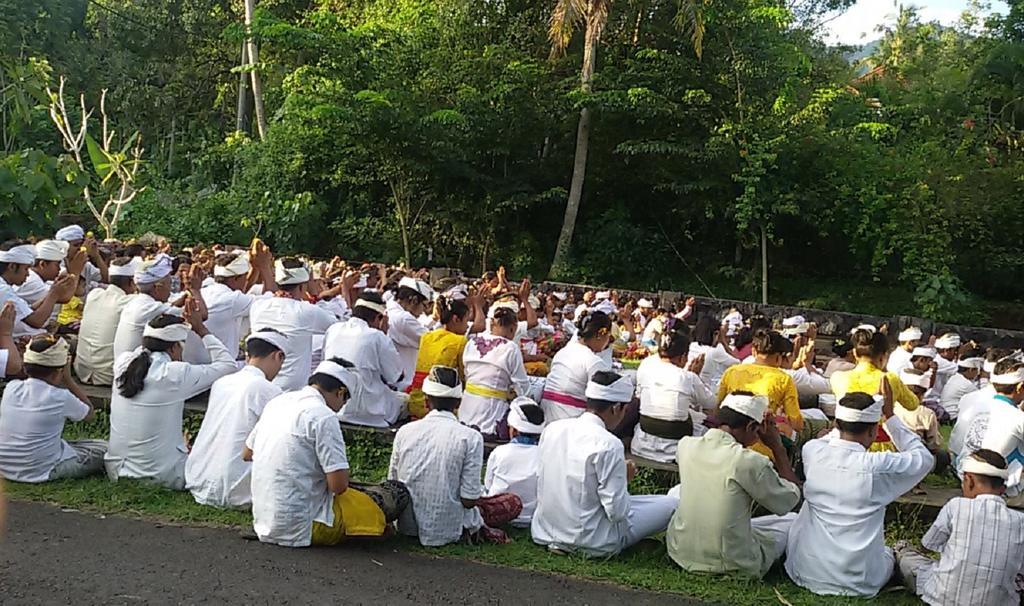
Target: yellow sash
(487,392)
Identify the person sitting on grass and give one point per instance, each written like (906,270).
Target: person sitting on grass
(721,478)
(922,420)
(979,539)
(440,461)
(301,494)
(32,415)
(214,473)
(148,402)
(836,545)
(513,467)
(583,504)
(965,381)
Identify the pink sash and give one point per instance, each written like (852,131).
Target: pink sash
(565,399)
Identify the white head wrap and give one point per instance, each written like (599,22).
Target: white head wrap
(793,321)
(601,295)
(916,380)
(868,327)
(871,414)
(988,367)
(52,250)
(377,307)
(971,363)
(346,375)
(911,334)
(458,292)
(534,301)
(518,420)
(55,356)
(125,271)
(419,286)
(507,304)
(644,304)
(285,276)
(171,334)
(948,341)
(239,266)
(620,391)
(799,329)
(751,406)
(561,296)
(973,464)
(436,389)
(24,254)
(70,233)
(273,337)
(605,307)
(1008,378)
(569,309)
(922,352)
(361,283)
(154,270)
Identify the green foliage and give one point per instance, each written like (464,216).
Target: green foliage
(34,189)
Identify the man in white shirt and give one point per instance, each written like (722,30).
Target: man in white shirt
(582,499)
(439,460)
(289,313)
(94,356)
(836,545)
(49,256)
(404,327)
(513,467)
(962,383)
(900,357)
(1004,433)
(32,415)
(948,349)
(16,258)
(153,281)
(300,472)
(214,472)
(94,269)
(362,341)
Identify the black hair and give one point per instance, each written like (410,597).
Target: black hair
(134,250)
(365,313)
(995,460)
(448,377)
(867,344)
(504,317)
(673,343)
(132,380)
(8,245)
(706,330)
(856,400)
(770,342)
(841,347)
(593,322)
(328,382)
(449,309)
(734,419)
(122,282)
(603,377)
(256,347)
(759,322)
(1003,367)
(405,293)
(181,259)
(744,336)
(39,345)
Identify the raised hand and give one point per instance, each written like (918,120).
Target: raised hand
(76,262)
(885,390)
(6,321)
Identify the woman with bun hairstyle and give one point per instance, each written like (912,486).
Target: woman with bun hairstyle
(573,366)
(672,397)
(495,373)
(442,347)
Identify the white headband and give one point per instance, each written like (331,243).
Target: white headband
(285,276)
(606,307)
(125,271)
(922,352)
(644,304)
(154,270)
(419,286)
(871,414)
(793,321)
(436,389)
(55,356)
(275,338)
(1008,378)
(518,421)
(911,334)
(22,255)
(239,266)
(868,327)
(911,378)
(602,295)
(377,307)
(70,233)
(973,464)
(339,372)
(948,341)
(172,334)
(52,250)
(971,363)
(620,391)
(750,406)
(457,292)
(512,305)
(988,367)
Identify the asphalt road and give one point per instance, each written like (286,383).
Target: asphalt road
(55,557)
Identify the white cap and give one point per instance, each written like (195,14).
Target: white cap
(52,250)
(911,334)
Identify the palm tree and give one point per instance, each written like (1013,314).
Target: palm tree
(592,15)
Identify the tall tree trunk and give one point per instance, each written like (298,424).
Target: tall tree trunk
(579,165)
(243,117)
(257,84)
(764,266)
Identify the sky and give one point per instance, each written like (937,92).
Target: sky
(857,25)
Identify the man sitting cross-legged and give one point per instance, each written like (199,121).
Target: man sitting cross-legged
(214,473)
(721,478)
(300,473)
(980,541)
(836,545)
(583,504)
(440,462)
